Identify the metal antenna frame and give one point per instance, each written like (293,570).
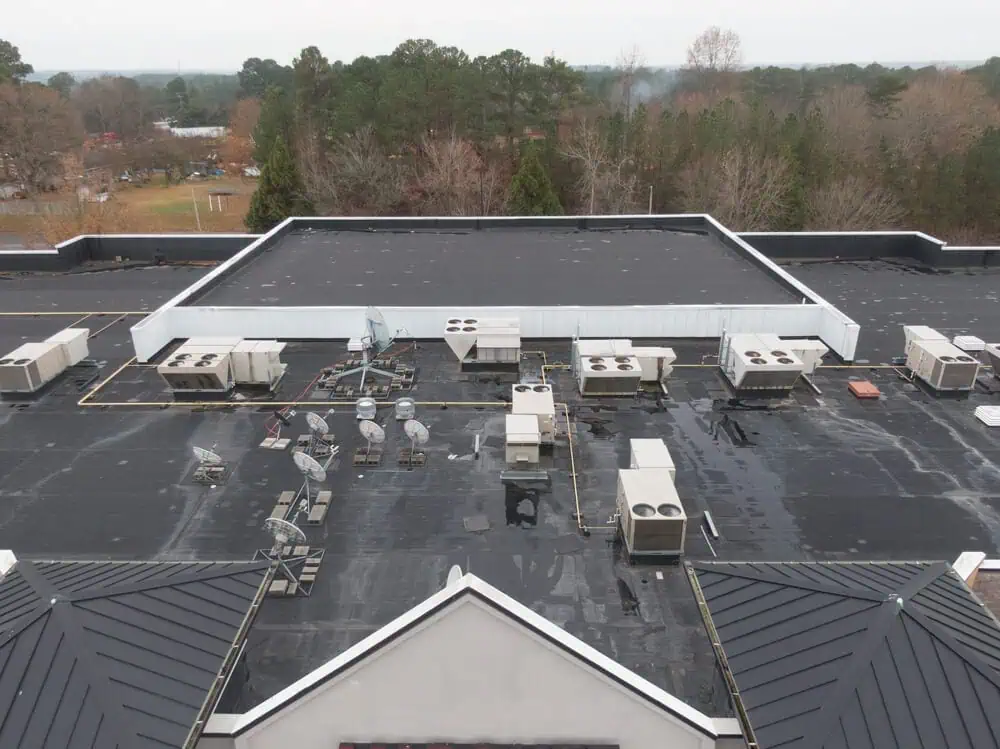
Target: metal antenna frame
(277,558)
(367,344)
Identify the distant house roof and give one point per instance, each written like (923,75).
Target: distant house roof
(852,655)
(117,655)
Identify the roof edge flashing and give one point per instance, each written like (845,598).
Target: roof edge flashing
(7,561)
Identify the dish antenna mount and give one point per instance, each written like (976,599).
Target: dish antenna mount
(418,434)
(318,429)
(211,468)
(373,434)
(376,339)
(311,470)
(282,534)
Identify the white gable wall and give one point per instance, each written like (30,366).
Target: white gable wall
(468,673)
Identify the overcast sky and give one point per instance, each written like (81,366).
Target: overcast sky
(220,34)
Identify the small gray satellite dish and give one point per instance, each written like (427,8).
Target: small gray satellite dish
(206,457)
(378,331)
(454,575)
(372,432)
(309,467)
(317,424)
(283,532)
(417,432)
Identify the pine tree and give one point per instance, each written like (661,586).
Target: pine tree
(531,192)
(279,194)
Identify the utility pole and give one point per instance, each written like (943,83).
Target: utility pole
(197,216)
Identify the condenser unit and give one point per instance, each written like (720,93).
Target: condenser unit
(522,439)
(538,401)
(655,362)
(609,376)
(30,366)
(584,348)
(197,372)
(915,333)
(651,516)
(495,339)
(992,351)
(257,363)
(942,366)
(809,352)
(72,343)
(498,347)
(651,454)
(753,364)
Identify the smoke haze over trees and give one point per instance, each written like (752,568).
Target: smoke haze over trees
(429,130)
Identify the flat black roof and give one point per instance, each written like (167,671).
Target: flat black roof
(117,654)
(857,656)
(503,267)
(882,296)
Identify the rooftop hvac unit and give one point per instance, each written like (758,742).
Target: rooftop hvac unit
(587,347)
(219,343)
(73,344)
(655,362)
(942,366)
(612,376)
(652,518)
(993,357)
(914,333)
(257,363)
(198,372)
(501,347)
(751,364)
(462,333)
(538,401)
(30,366)
(810,352)
(651,454)
(969,343)
(522,439)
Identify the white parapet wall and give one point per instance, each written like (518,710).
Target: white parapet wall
(667,321)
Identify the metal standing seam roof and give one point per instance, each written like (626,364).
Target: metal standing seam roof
(117,655)
(855,655)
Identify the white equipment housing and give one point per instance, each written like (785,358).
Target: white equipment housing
(522,439)
(258,363)
(942,366)
(755,363)
(537,401)
(586,347)
(495,339)
(651,454)
(916,333)
(969,343)
(810,352)
(202,365)
(652,518)
(655,362)
(993,356)
(30,366)
(73,343)
(617,375)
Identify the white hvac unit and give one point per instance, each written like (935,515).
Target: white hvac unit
(257,363)
(500,337)
(608,375)
(993,356)
(969,343)
(651,454)
(73,344)
(753,364)
(942,366)
(30,366)
(914,333)
(655,362)
(809,352)
(652,518)
(198,369)
(522,439)
(538,401)
(500,347)
(587,347)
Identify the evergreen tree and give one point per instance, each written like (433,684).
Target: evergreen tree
(279,194)
(531,192)
(274,123)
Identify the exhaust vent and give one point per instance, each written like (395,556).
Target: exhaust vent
(644,510)
(522,388)
(670,511)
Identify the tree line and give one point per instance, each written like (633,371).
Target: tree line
(430,130)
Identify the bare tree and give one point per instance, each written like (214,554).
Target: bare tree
(606,183)
(853,203)
(36,127)
(239,145)
(741,187)
(630,63)
(715,50)
(454,180)
(848,126)
(357,176)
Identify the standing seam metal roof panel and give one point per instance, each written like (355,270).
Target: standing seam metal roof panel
(856,655)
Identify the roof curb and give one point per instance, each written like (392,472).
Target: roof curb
(234,725)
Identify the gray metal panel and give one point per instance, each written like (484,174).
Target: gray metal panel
(825,656)
(115,655)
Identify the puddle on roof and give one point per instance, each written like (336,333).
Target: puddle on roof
(598,426)
(630,602)
(522,505)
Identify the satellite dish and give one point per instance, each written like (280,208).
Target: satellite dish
(372,432)
(309,467)
(206,457)
(283,532)
(317,424)
(417,432)
(378,330)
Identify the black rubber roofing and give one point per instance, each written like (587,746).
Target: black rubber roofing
(857,655)
(118,655)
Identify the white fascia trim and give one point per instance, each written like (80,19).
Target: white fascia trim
(228,724)
(920,234)
(991,565)
(967,563)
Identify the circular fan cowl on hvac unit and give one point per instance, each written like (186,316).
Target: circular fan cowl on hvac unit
(947,358)
(785,360)
(752,354)
(644,510)
(598,367)
(522,388)
(182,357)
(966,359)
(542,389)
(469,329)
(471,321)
(625,367)
(452,329)
(174,363)
(621,359)
(454,321)
(668,510)
(5,361)
(597,360)
(203,363)
(209,357)
(22,361)
(758,360)
(778,353)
